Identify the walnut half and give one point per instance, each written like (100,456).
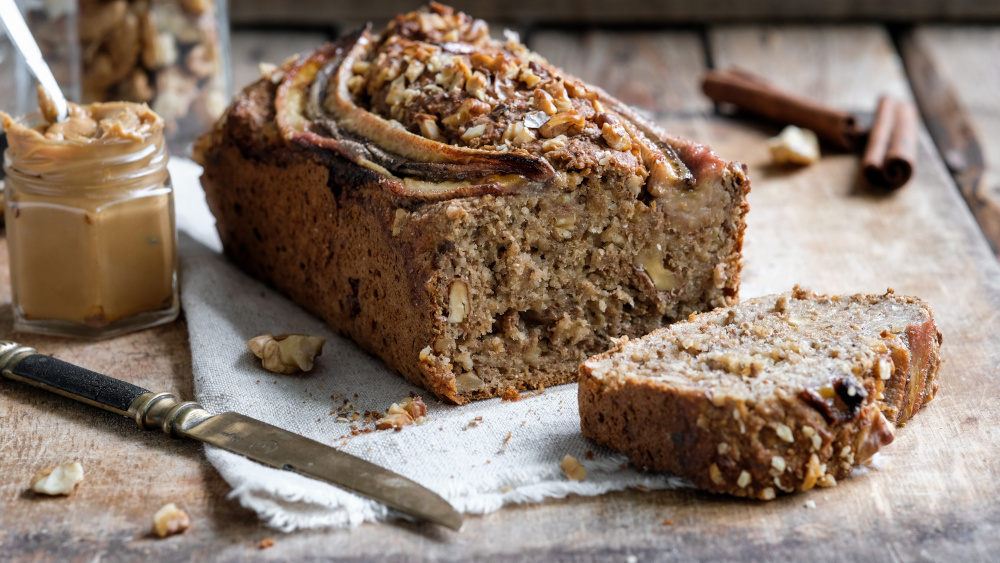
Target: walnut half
(287,353)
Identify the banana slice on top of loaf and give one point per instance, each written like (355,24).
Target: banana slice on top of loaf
(777,394)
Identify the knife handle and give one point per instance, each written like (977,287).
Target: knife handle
(150,410)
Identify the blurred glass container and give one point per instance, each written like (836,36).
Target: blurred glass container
(170,54)
(7,93)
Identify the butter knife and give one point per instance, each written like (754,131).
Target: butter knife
(230,431)
(22,38)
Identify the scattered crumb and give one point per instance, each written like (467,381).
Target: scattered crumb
(668,522)
(510,395)
(473,423)
(642,487)
(170,520)
(810,503)
(573,468)
(410,410)
(588,454)
(503,446)
(266,543)
(58,480)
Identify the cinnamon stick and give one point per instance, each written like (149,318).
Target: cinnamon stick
(753,94)
(891,154)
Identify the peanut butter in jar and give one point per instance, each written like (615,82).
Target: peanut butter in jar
(90,221)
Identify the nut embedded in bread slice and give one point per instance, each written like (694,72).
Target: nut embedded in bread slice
(777,394)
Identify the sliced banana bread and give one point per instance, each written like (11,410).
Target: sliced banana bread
(777,394)
(474,216)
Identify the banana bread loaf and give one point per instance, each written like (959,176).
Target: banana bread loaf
(777,394)
(472,215)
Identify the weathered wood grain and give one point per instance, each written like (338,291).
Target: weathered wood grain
(956,78)
(847,67)
(818,226)
(250,48)
(933,499)
(602,12)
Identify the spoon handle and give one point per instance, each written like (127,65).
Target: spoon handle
(19,34)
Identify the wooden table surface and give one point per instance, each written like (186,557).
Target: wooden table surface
(935,496)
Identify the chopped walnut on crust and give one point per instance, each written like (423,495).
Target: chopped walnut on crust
(438,74)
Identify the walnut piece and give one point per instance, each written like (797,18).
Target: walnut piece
(651,262)
(458,301)
(573,468)
(287,353)
(58,480)
(396,421)
(404,413)
(467,381)
(170,520)
(794,146)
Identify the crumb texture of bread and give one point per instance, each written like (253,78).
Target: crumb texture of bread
(472,215)
(777,394)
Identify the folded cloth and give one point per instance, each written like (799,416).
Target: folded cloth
(479,457)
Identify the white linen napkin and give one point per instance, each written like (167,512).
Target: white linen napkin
(479,457)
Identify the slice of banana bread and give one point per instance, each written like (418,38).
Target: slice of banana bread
(471,214)
(777,394)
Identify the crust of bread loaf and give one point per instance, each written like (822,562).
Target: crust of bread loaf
(317,242)
(713,441)
(321,230)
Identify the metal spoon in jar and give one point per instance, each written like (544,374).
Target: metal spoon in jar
(21,37)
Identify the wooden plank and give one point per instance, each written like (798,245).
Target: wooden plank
(844,66)
(818,227)
(953,70)
(251,47)
(601,12)
(934,498)
(654,71)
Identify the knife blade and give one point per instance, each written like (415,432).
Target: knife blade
(230,431)
(24,41)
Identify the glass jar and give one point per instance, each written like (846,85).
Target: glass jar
(170,54)
(90,230)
